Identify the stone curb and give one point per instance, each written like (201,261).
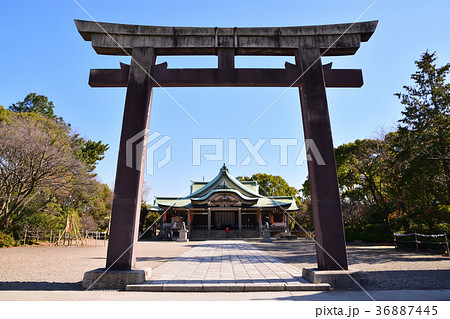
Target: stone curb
(227,287)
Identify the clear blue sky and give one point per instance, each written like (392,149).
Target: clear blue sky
(42,52)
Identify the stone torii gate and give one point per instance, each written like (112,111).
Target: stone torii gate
(306,43)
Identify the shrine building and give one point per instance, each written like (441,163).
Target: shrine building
(224,208)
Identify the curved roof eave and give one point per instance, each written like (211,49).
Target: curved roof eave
(219,190)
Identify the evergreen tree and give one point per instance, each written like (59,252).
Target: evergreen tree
(423,142)
(34,103)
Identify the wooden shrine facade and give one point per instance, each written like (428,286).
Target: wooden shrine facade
(224,208)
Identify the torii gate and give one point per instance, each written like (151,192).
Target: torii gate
(307,44)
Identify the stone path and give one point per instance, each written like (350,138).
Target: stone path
(226,266)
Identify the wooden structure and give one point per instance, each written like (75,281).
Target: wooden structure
(222,203)
(307,44)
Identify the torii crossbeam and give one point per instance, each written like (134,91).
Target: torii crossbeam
(307,44)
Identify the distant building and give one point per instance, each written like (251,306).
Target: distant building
(224,203)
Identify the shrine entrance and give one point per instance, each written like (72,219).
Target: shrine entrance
(307,44)
(224,219)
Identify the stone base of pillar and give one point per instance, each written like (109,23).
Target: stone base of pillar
(338,279)
(266,236)
(183,236)
(114,279)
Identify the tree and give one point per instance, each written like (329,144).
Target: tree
(88,151)
(88,223)
(148,221)
(96,203)
(363,171)
(270,185)
(400,181)
(423,142)
(35,160)
(45,168)
(34,103)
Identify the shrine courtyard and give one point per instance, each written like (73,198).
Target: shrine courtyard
(55,273)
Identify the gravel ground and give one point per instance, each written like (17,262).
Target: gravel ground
(62,268)
(387,267)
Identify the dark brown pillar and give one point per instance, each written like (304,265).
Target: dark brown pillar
(327,215)
(260,226)
(240,222)
(209,222)
(128,185)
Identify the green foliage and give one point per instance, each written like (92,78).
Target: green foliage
(4,114)
(148,220)
(35,156)
(88,151)
(422,144)
(34,103)
(363,172)
(6,240)
(369,233)
(270,185)
(440,228)
(46,169)
(45,221)
(97,204)
(400,181)
(303,218)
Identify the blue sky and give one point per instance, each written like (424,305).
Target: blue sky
(42,52)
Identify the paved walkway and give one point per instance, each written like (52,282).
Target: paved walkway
(226,266)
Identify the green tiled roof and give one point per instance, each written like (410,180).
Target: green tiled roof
(225,184)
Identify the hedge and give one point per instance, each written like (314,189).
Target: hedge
(6,240)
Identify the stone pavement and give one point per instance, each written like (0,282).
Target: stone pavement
(226,266)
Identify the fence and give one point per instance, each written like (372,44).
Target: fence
(65,238)
(416,240)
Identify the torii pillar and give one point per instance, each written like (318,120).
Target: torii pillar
(144,43)
(325,201)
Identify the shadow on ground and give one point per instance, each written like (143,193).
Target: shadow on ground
(408,279)
(39,285)
(403,295)
(304,251)
(387,268)
(158,259)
